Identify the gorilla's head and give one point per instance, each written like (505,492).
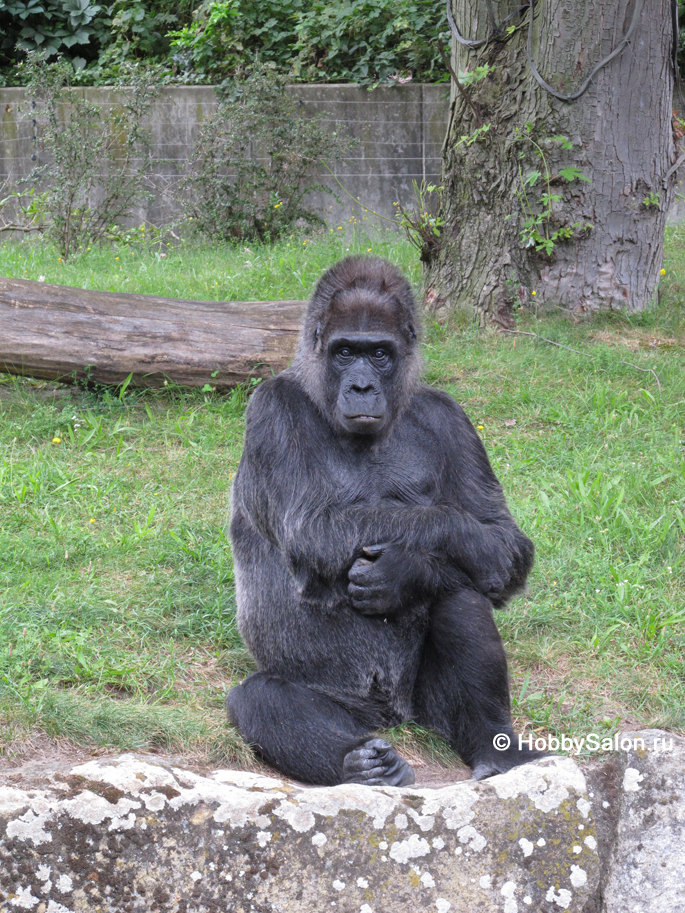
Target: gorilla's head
(358,354)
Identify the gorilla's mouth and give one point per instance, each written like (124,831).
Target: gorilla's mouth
(364,418)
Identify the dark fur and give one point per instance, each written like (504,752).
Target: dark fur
(351,640)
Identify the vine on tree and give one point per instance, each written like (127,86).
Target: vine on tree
(539,214)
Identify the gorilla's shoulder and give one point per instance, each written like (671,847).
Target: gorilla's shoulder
(277,404)
(437,410)
(279,397)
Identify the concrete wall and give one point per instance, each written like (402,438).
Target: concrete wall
(400,132)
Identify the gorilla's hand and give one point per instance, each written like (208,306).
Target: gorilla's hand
(378,581)
(493,577)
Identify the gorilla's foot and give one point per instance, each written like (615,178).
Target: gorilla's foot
(376,763)
(491,763)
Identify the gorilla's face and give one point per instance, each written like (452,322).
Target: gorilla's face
(362,367)
(363,351)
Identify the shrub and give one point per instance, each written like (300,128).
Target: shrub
(367,41)
(140,31)
(226,36)
(98,161)
(97,38)
(73,27)
(254,161)
(363,41)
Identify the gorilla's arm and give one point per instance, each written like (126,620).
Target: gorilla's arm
(284,492)
(467,537)
(469,529)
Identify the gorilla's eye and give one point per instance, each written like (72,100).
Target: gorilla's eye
(379,354)
(345,352)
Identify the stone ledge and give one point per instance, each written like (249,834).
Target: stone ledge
(129,834)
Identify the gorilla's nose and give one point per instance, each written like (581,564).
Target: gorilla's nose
(363,388)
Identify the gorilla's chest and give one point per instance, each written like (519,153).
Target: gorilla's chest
(394,476)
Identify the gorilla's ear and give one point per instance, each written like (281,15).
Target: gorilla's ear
(409,331)
(317,333)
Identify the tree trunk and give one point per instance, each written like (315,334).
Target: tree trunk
(610,247)
(68,334)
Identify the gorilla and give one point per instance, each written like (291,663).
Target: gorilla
(371,540)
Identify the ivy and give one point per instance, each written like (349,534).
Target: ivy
(539,215)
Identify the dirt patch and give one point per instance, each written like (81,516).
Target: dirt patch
(433,775)
(635,340)
(42,389)
(38,760)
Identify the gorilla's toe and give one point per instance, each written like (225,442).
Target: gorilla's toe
(376,763)
(503,761)
(483,770)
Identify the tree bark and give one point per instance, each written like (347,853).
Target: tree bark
(622,140)
(69,334)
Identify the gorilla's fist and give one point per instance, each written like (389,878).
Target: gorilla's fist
(381,580)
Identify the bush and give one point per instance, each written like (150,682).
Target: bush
(73,27)
(95,175)
(226,36)
(363,41)
(97,38)
(254,161)
(367,41)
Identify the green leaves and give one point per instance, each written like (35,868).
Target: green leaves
(370,41)
(574,174)
(236,197)
(469,77)
(563,140)
(422,224)
(540,215)
(652,199)
(226,36)
(22,8)
(81,12)
(52,26)
(363,41)
(472,138)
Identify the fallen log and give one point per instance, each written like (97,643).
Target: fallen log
(54,332)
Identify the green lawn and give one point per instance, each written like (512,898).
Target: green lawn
(116,588)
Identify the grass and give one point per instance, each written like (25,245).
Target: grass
(208,272)
(116,588)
